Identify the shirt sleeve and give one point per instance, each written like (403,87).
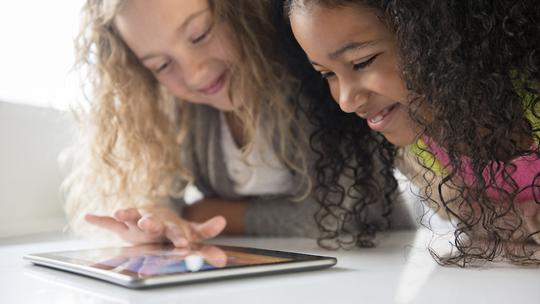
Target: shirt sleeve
(273,216)
(525,174)
(279,216)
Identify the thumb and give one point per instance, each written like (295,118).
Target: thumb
(211,228)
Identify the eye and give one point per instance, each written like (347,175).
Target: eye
(163,66)
(366,63)
(326,75)
(201,37)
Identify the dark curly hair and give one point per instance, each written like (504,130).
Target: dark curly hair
(355,184)
(474,66)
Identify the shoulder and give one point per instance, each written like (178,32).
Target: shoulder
(407,163)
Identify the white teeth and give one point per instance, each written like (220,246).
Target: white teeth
(376,119)
(381,115)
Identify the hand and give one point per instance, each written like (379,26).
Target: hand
(233,211)
(157,224)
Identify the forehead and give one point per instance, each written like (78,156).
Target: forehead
(142,22)
(323,29)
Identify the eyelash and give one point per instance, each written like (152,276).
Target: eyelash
(326,75)
(356,66)
(203,35)
(162,67)
(166,64)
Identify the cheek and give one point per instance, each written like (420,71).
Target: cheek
(334,90)
(385,84)
(390,82)
(174,85)
(225,54)
(221,46)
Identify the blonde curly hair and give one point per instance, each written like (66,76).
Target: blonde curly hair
(134,130)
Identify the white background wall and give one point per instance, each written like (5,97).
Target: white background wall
(36,53)
(36,58)
(31,140)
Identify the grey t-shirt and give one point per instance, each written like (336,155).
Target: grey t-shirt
(266,215)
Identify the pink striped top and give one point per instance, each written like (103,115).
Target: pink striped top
(526,174)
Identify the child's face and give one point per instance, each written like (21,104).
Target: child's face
(180,42)
(357,55)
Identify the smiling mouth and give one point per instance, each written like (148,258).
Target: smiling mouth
(380,116)
(381,119)
(215,86)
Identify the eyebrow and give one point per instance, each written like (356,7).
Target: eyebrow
(180,28)
(348,47)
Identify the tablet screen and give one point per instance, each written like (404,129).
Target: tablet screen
(162,264)
(157,260)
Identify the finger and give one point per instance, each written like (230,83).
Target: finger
(150,225)
(127,215)
(210,229)
(177,236)
(107,222)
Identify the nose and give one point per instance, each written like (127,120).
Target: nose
(352,97)
(196,72)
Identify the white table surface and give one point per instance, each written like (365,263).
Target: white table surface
(399,270)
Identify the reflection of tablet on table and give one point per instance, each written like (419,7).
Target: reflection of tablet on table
(151,265)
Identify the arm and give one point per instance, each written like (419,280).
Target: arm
(268,216)
(232,211)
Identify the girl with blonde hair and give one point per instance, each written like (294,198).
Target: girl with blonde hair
(172,105)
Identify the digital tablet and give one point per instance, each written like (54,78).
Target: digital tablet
(160,264)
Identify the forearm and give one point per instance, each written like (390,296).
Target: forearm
(233,212)
(261,216)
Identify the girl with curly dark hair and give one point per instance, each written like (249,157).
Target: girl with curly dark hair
(354,176)
(453,84)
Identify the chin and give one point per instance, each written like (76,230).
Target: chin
(399,140)
(222,105)
(219,107)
